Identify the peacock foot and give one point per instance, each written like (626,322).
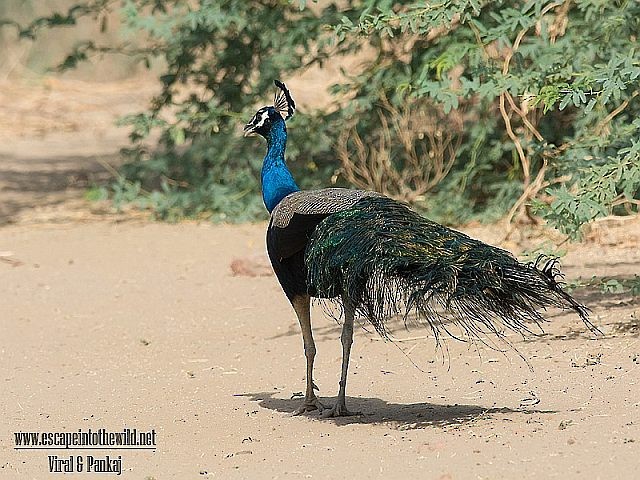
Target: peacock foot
(338,410)
(309,406)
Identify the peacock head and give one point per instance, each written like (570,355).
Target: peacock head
(282,109)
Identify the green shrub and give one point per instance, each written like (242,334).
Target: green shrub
(539,99)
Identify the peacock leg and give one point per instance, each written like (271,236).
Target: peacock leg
(340,408)
(301,304)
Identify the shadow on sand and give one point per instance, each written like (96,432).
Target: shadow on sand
(406,416)
(27,182)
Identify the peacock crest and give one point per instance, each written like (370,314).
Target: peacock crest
(283,102)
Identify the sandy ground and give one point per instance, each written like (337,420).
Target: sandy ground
(58,138)
(132,324)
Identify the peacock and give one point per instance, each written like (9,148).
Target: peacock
(378,258)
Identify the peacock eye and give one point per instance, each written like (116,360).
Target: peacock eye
(260,119)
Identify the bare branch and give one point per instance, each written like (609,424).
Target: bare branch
(410,153)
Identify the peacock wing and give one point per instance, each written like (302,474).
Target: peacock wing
(298,214)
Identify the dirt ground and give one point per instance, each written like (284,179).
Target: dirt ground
(112,322)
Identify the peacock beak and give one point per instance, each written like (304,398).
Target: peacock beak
(249,130)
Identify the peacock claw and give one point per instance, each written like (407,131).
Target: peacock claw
(338,410)
(309,406)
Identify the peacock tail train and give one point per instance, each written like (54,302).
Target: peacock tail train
(388,260)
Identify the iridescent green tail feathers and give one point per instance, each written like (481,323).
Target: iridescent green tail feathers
(387,260)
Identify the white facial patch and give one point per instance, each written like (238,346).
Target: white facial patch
(259,122)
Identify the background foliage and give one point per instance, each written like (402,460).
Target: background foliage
(468,109)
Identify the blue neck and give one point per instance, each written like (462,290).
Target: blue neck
(277,181)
